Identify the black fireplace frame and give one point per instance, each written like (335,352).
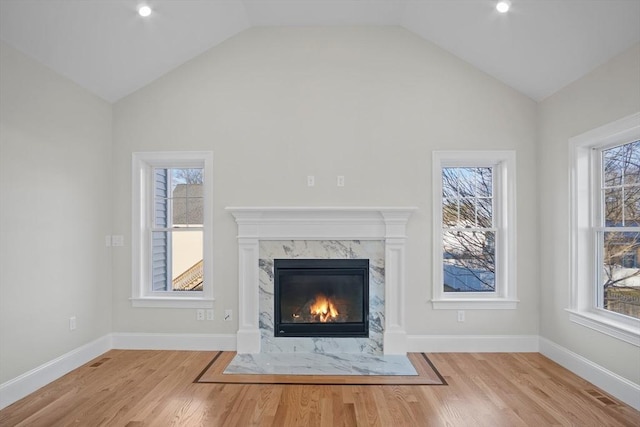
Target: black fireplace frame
(358,267)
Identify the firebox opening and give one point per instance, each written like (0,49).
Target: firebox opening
(321,298)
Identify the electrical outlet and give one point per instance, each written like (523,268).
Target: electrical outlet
(72,323)
(210,314)
(311,181)
(227,315)
(199,314)
(117,241)
(460,315)
(340,181)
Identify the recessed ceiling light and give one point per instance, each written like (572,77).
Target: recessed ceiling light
(503,6)
(144,11)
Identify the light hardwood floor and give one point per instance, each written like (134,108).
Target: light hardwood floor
(155,388)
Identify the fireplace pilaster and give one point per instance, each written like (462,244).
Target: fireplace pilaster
(321,223)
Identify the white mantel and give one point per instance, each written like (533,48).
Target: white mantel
(321,223)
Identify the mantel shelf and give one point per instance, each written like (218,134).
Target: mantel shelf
(321,223)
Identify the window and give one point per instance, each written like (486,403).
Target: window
(605,229)
(172,229)
(618,230)
(474,229)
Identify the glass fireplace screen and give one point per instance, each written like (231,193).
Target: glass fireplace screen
(321,297)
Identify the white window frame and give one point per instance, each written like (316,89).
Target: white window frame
(143,164)
(584,187)
(504,176)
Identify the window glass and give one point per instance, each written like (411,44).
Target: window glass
(177,235)
(618,237)
(468,237)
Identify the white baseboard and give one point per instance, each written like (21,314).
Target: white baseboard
(472,343)
(612,383)
(198,342)
(25,384)
(619,387)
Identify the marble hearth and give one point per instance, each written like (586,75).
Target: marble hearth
(377,234)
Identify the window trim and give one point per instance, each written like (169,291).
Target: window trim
(142,207)
(505,295)
(584,187)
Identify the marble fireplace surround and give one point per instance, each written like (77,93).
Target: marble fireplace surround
(256,224)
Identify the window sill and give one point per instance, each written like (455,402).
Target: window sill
(619,330)
(172,302)
(475,304)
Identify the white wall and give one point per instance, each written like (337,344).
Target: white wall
(55,164)
(370,103)
(608,93)
(275,105)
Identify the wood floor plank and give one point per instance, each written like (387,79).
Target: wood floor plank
(156,388)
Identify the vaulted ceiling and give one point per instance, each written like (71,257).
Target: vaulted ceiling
(538,47)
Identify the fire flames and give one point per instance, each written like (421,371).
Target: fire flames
(324,309)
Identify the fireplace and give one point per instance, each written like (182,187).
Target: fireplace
(269,233)
(321,297)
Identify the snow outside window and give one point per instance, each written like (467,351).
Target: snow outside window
(605,229)
(474,229)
